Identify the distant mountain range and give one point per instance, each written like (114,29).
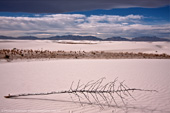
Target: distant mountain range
(73,37)
(149,38)
(116,39)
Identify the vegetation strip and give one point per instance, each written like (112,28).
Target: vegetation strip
(12,54)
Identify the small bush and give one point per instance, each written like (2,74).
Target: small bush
(7,56)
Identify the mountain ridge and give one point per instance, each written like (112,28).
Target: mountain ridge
(77,37)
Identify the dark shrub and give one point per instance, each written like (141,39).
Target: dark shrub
(7,56)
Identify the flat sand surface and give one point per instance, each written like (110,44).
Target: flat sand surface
(67,45)
(19,77)
(44,75)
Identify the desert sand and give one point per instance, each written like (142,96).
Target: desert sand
(47,75)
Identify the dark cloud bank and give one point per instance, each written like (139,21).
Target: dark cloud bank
(61,6)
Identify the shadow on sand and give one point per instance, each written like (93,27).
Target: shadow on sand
(125,108)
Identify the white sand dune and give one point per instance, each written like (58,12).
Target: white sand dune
(55,75)
(147,47)
(38,76)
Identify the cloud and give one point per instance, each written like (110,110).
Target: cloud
(102,26)
(39,23)
(60,6)
(114,18)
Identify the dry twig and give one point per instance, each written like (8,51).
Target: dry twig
(95,92)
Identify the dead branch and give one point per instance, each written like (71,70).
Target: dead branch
(95,92)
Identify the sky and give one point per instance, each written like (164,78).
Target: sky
(100,18)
